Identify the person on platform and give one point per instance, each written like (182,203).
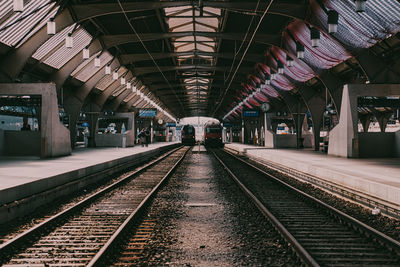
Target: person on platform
(147,135)
(25,125)
(142,137)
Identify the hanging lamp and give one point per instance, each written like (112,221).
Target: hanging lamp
(360,5)
(281,67)
(315,37)
(69,41)
(333,20)
(115,75)
(97,62)
(289,61)
(18,5)
(300,50)
(85,53)
(51,27)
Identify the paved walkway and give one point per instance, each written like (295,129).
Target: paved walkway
(24,171)
(378,177)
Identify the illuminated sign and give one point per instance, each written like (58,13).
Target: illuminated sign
(250,113)
(147,113)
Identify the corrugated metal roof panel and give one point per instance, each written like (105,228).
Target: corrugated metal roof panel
(13,34)
(53,42)
(87,68)
(107,80)
(42,23)
(64,54)
(118,91)
(129,97)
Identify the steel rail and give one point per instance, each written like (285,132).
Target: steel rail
(7,247)
(101,256)
(335,212)
(386,241)
(298,248)
(350,194)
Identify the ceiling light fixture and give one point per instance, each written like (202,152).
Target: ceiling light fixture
(289,61)
(281,67)
(300,50)
(360,5)
(108,69)
(115,75)
(51,27)
(69,41)
(18,5)
(85,53)
(333,20)
(315,37)
(97,62)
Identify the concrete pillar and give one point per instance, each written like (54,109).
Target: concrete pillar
(92,120)
(316,108)
(334,85)
(344,138)
(151,131)
(116,102)
(54,136)
(243,138)
(365,121)
(60,76)
(383,118)
(74,99)
(298,118)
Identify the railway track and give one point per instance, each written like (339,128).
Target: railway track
(84,234)
(318,233)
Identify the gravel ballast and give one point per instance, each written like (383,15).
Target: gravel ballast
(203,219)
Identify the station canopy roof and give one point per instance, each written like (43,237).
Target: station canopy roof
(206,57)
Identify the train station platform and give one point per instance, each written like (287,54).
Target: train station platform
(28,182)
(368,181)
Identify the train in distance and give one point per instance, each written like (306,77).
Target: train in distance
(213,134)
(188,135)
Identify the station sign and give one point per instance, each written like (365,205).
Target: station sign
(171,124)
(227,124)
(147,113)
(251,113)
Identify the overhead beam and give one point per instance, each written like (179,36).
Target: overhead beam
(129,58)
(177,85)
(92,10)
(140,71)
(114,40)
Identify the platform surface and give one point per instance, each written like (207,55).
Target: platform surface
(379,177)
(16,172)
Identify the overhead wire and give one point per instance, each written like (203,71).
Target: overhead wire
(241,45)
(243,55)
(149,53)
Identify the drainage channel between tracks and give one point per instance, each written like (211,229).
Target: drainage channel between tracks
(320,234)
(83,234)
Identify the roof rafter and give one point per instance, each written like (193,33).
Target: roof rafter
(114,40)
(87,11)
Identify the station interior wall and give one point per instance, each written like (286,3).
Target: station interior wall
(273,140)
(1,142)
(117,139)
(378,145)
(344,138)
(54,137)
(397,144)
(21,143)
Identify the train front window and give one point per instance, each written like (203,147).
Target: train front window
(213,130)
